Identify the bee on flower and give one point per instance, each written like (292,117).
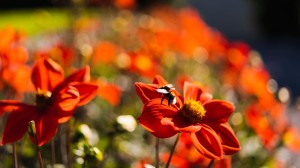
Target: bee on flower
(168,94)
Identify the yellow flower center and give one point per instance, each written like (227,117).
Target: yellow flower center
(192,111)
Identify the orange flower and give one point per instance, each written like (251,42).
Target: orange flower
(236,59)
(109,92)
(104,52)
(56,100)
(13,57)
(60,52)
(205,119)
(266,125)
(253,81)
(8,36)
(143,64)
(291,138)
(125,4)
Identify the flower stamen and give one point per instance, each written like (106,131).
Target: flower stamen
(43,98)
(192,111)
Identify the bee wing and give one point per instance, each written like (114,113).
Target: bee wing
(164,91)
(174,100)
(170,86)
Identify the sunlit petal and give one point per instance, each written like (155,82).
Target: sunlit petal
(207,142)
(230,143)
(158,79)
(67,101)
(218,111)
(46,74)
(82,75)
(86,91)
(191,91)
(147,91)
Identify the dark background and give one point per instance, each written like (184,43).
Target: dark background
(272,27)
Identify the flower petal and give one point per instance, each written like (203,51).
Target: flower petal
(17,122)
(229,141)
(191,91)
(147,91)
(152,118)
(46,125)
(46,74)
(218,111)
(207,142)
(10,105)
(158,79)
(82,75)
(66,100)
(86,91)
(109,92)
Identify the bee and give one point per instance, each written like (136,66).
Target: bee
(168,93)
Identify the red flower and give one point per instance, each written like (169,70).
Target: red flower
(205,119)
(56,100)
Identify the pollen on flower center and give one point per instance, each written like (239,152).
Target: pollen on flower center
(192,111)
(43,98)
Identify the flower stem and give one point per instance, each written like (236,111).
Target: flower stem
(172,150)
(157,153)
(39,156)
(32,132)
(211,164)
(15,155)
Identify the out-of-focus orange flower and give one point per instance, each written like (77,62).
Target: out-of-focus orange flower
(13,58)
(14,54)
(12,76)
(205,119)
(186,155)
(267,127)
(142,64)
(60,52)
(109,92)
(158,42)
(197,34)
(56,100)
(254,81)
(238,54)
(9,36)
(125,4)
(291,138)
(236,59)
(104,52)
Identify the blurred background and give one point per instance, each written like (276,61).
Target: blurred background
(271,27)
